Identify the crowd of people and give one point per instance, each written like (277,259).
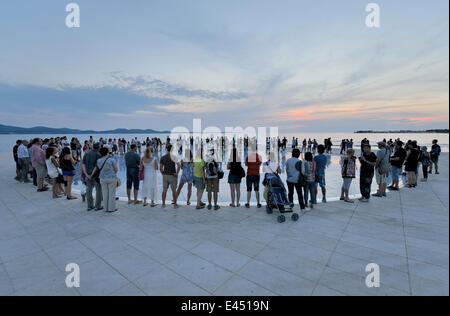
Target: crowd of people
(201,163)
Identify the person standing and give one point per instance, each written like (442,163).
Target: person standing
(425,159)
(382,169)
(108,179)
(293,175)
(187,175)
(199,178)
(253,163)
(52,169)
(348,171)
(38,162)
(170,168)
(309,170)
(321,161)
(23,156)
(88,165)
(132,162)
(411,164)
(235,177)
(212,182)
(368,162)
(16,159)
(149,166)
(435,153)
(397,160)
(66,162)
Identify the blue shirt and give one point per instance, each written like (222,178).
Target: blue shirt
(321,163)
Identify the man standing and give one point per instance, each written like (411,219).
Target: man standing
(133,161)
(16,159)
(321,161)
(23,155)
(368,162)
(253,163)
(170,168)
(435,153)
(397,161)
(383,156)
(38,163)
(293,176)
(87,167)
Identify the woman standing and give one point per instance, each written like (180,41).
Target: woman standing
(66,162)
(149,166)
(52,163)
(411,164)
(235,177)
(199,178)
(187,176)
(108,179)
(348,171)
(309,171)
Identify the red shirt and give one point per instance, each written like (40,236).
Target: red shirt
(253,162)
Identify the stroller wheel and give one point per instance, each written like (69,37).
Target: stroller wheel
(295,217)
(281,219)
(269,210)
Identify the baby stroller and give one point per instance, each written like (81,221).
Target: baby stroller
(277,199)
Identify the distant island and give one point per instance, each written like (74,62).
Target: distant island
(436,131)
(5,130)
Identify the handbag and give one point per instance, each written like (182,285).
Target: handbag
(96,174)
(141,172)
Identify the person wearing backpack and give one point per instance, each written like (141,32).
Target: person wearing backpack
(293,171)
(212,182)
(309,171)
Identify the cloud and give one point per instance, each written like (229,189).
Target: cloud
(155,86)
(77,100)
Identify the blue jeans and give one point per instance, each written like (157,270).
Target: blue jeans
(310,189)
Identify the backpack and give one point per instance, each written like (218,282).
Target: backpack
(302,179)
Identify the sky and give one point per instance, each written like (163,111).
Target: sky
(301,66)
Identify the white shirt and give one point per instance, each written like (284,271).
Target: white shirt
(22,152)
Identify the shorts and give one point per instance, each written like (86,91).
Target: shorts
(381,178)
(212,185)
(234,179)
(434,159)
(320,181)
(199,184)
(253,183)
(396,172)
(133,178)
(347,183)
(68,174)
(41,172)
(170,180)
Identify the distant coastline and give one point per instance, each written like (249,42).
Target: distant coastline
(11,130)
(430,131)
